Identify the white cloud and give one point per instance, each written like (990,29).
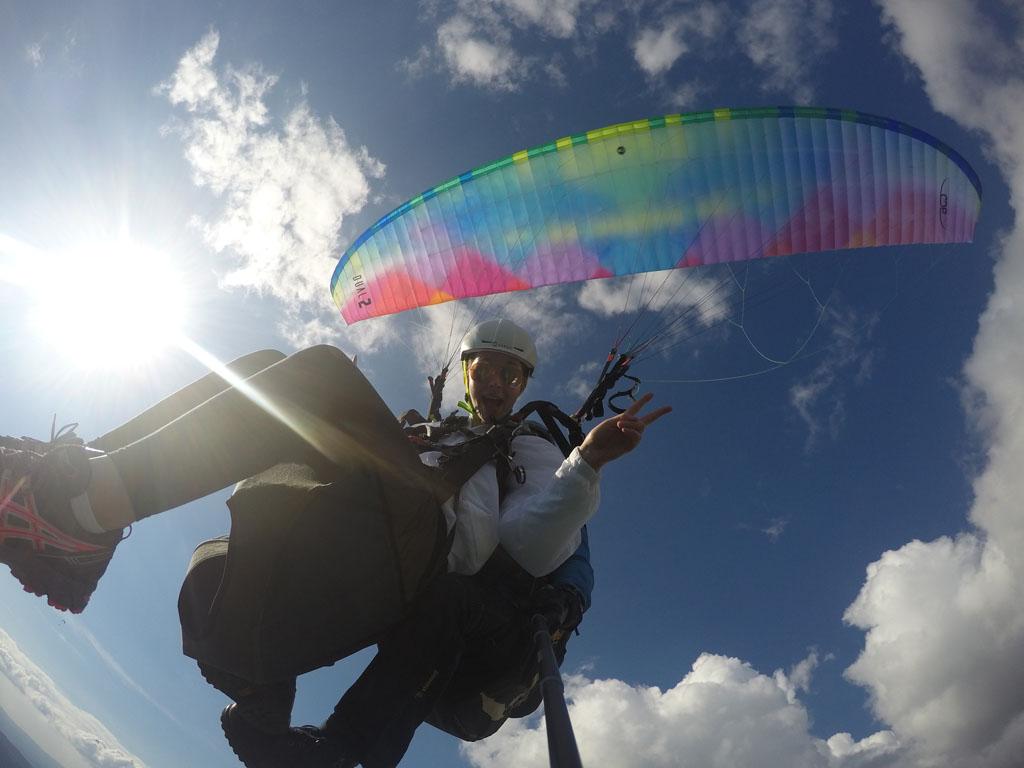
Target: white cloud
(785,39)
(970,66)
(286,187)
(90,739)
(472,57)
(556,17)
(844,360)
(478,42)
(722,713)
(944,652)
(657,48)
(798,678)
(34,54)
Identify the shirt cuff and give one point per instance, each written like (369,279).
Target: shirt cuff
(577,464)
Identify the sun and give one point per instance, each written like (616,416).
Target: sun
(113,305)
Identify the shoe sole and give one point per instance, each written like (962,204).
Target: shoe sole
(35,550)
(224,726)
(259,759)
(249,760)
(38,578)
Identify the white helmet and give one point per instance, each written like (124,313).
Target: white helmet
(501,336)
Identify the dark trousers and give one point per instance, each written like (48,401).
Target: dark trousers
(313,407)
(462,635)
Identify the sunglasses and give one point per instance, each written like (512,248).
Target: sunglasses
(510,374)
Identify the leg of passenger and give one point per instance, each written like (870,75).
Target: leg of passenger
(112,507)
(267,706)
(378,716)
(494,676)
(184,400)
(314,407)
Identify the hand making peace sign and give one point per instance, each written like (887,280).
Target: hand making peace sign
(620,434)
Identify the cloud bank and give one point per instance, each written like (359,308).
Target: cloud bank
(944,652)
(722,714)
(88,736)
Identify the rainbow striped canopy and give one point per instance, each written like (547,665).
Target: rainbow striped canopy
(674,191)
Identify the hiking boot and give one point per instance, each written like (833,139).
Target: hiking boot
(45,548)
(302,747)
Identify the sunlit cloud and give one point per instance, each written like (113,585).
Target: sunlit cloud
(287,185)
(96,745)
(721,714)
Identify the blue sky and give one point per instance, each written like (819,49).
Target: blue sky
(817,566)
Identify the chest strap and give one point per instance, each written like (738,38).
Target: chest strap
(461,461)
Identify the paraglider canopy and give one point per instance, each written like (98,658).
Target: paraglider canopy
(676,191)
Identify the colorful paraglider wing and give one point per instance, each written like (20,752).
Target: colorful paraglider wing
(676,191)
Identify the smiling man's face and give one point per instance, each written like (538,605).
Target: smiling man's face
(496,381)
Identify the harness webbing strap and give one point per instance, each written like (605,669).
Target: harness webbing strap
(552,416)
(460,462)
(594,405)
